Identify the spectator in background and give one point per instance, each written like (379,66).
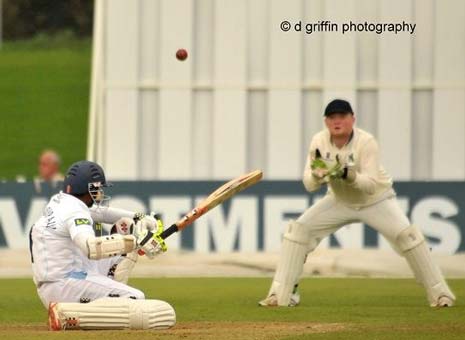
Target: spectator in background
(49,167)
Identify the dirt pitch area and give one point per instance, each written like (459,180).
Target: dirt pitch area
(204,330)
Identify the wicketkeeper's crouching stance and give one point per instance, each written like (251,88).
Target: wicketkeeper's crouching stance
(82,278)
(347,159)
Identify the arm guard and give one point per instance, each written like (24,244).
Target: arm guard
(110,245)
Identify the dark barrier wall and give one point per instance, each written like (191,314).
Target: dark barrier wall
(251,221)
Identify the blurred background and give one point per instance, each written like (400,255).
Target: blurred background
(251,96)
(248,96)
(45,60)
(99,80)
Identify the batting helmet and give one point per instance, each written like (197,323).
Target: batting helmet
(81,175)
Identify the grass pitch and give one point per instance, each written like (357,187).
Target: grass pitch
(226,308)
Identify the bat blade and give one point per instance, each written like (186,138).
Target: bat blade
(217,197)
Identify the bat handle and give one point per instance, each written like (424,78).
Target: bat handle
(167,232)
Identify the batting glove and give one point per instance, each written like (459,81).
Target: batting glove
(148,221)
(149,240)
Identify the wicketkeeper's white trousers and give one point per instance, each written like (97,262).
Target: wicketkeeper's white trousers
(328,215)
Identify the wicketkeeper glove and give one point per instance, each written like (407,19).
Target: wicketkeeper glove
(337,171)
(346,172)
(349,174)
(319,167)
(149,240)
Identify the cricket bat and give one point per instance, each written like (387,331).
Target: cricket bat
(217,197)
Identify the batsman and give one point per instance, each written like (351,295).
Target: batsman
(346,159)
(80,276)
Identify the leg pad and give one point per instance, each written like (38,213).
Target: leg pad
(295,247)
(415,250)
(113,313)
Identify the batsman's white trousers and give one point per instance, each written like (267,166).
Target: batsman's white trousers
(92,287)
(328,215)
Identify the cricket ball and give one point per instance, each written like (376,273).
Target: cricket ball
(181,54)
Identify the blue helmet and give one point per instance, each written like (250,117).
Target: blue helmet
(85,177)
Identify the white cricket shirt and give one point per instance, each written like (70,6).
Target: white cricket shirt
(54,255)
(372,183)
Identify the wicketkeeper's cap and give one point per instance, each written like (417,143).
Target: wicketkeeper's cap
(338,106)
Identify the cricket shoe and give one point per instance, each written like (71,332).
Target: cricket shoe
(58,322)
(272,301)
(444,301)
(54,323)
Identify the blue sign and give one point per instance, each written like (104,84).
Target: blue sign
(251,221)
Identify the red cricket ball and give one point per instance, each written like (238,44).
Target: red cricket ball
(181,54)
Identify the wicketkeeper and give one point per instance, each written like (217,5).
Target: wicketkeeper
(359,190)
(82,277)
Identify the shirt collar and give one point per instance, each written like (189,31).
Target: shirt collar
(351,137)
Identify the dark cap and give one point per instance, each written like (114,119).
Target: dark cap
(338,106)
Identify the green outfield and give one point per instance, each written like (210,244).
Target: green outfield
(218,308)
(44,95)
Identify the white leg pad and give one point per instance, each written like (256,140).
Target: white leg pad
(415,250)
(294,250)
(116,313)
(151,314)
